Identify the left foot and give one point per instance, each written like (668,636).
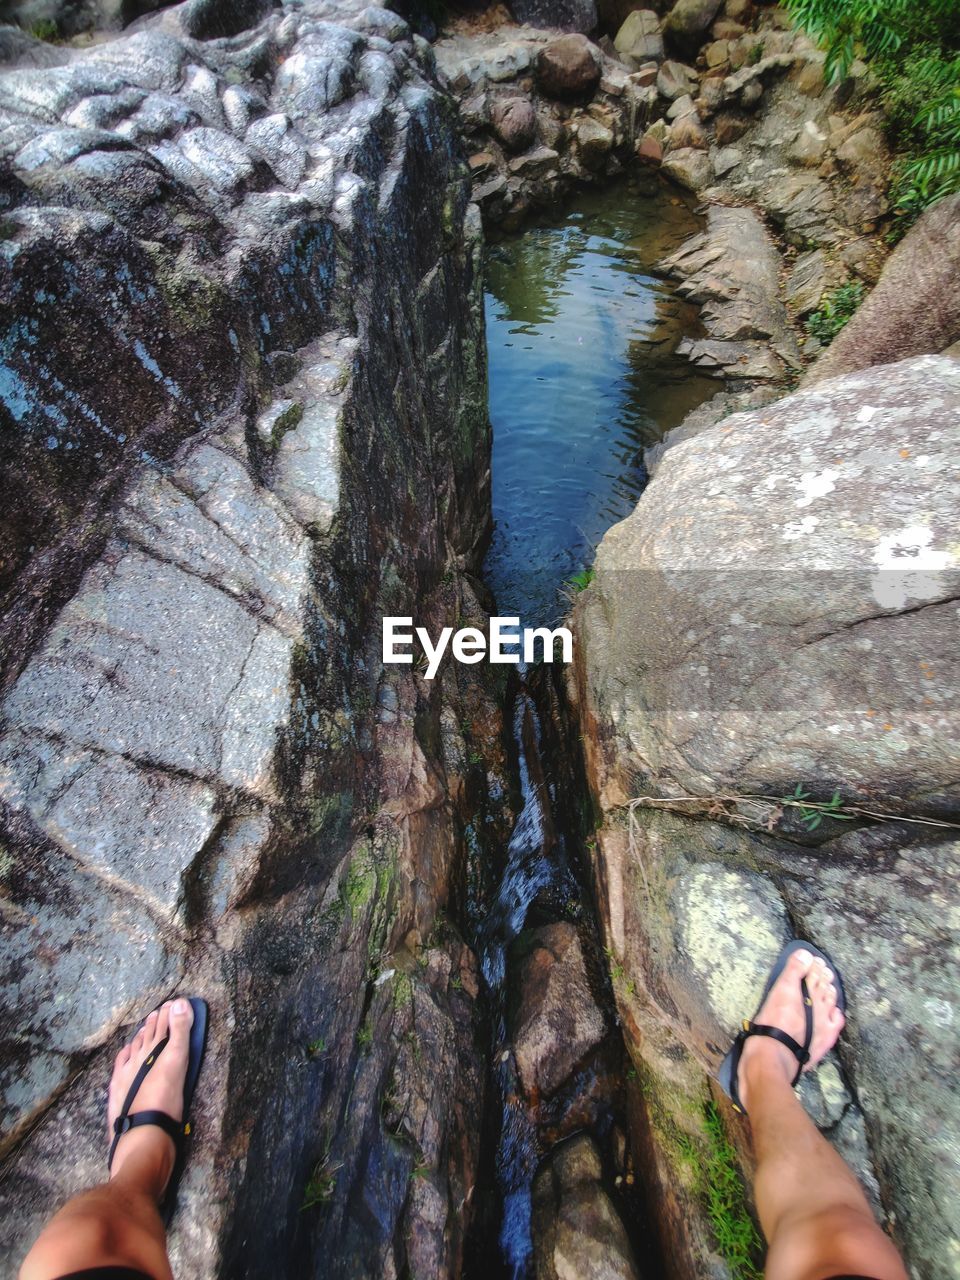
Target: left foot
(147,1153)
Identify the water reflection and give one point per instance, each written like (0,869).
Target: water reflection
(582,377)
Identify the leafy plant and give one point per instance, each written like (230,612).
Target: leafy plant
(580,581)
(914,51)
(836,308)
(812,814)
(365,1038)
(317,1048)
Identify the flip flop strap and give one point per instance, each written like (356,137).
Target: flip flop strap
(125,1121)
(800,1051)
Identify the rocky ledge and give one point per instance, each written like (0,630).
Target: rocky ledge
(244,417)
(778,619)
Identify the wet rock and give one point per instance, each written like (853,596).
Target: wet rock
(577,1231)
(563,15)
(568,68)
(915,307)
(515,122)
(650,149)
(639,38)
(557,1022)
(689,167)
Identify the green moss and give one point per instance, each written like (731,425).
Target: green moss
(360,884)
(721,1188)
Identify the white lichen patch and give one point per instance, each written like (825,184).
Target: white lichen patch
(800,528)
(732,927)
(909,567)
(816,484)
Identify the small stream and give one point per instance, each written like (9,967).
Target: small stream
(582,375)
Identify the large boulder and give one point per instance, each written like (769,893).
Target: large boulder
(915,307)
(228,360)
(558,1020)
(568,68)
(577,1232)
(780,611)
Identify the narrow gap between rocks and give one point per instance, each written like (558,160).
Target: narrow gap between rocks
(583,377)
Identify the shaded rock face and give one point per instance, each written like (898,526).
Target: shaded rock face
(577,1231)
(243,418)
(558,1021)
(914,309)
(565,15)
(781,609)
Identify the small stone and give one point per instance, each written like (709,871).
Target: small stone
(688,132)
(514,122)
(535,163)
(639,37)
(674,79)
(594,142)
(682,106)
(717,53)
(729,126)
(725,159)
(690,167)
(727,29)
(481,163)
(810,146)
(649,150)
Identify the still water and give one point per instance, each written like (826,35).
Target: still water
(583,376)
(581,337)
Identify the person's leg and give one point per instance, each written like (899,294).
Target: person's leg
(814,1214)
(118,1224)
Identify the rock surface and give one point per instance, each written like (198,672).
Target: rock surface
(558,1021)
(781,608)
(242,325)
(914,309)
(577,1231)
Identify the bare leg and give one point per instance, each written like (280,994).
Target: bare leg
(118,1224)
(814,1214)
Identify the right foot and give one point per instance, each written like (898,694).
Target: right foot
(783,1008)
(147,1153)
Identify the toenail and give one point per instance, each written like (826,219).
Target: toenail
(179,1007)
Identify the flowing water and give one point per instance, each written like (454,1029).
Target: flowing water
(583,376)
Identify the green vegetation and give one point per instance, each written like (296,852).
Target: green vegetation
(721,1186)
(316,1048)
(836,308)
(580,581)
(813,813)
(365,1038)
(913,51)
(320,1185)
(45,29)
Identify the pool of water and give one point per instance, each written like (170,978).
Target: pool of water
(583,376)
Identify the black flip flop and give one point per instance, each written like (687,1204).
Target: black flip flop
(179,1130)
(727,1075)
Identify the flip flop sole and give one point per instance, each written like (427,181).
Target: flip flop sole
(198,1048)
(725,1074)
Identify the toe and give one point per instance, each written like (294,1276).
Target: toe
(798,964)
(181,1020)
